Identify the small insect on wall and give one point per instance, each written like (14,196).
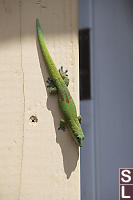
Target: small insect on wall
(38,161)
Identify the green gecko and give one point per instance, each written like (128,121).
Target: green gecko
(57,83)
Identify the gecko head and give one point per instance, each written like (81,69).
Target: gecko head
(79,139)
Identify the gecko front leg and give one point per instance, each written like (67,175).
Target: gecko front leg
(51,86)
(64,75)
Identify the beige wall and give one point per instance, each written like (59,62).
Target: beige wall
(37,162)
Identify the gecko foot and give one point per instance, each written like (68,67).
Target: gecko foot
(64,75)
(62,125)
(50,82)
(51,86)
(79,118)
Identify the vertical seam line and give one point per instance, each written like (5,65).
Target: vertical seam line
(22,147)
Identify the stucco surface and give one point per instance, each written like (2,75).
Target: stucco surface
(36,160)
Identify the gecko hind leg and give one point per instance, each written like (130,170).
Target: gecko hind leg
(80,119)
(62,125)
(64,75)
(51,86)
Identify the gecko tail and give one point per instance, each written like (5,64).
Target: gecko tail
(38,26)
(47,58)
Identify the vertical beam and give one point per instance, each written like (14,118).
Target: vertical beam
(36,160)
(50,167)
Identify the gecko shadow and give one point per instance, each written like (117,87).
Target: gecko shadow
(69,149)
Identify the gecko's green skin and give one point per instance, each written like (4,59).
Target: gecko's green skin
(59,85)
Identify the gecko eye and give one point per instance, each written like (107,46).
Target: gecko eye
(79,138)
